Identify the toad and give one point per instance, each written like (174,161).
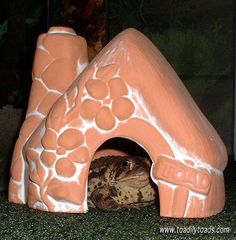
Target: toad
(120,182)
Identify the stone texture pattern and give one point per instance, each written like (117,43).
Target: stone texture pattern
(129,90)
(60,57)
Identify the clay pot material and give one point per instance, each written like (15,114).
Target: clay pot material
(60,57)
(129,90)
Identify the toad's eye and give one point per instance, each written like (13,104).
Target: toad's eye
(127,164)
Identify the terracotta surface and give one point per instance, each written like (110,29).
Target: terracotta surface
(60,57)
(129,90)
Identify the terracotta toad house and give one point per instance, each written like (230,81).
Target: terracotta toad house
(129,90)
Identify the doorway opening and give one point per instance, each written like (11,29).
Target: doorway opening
(119,177)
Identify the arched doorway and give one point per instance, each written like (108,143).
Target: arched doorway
(119,177)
